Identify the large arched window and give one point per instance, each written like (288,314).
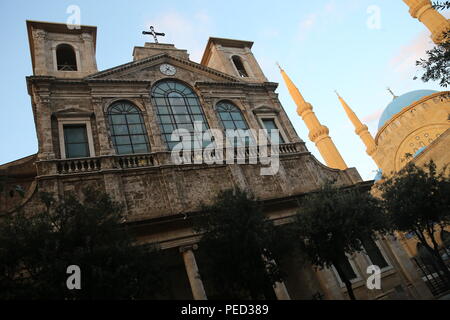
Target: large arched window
(128,131)
(240,66)
(234,123)
(65,58)
(178,107)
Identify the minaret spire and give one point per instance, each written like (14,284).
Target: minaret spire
(361,129)
(435,22)
(318,133)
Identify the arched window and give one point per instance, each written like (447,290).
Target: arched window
(178,107)
(240,66)
(66,58)
(232,119)
(128,131)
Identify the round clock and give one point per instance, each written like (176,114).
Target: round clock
(168,69)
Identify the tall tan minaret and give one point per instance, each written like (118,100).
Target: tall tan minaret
(361,129)
(432,19)
(318,133)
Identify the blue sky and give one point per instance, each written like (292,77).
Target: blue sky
(323,45)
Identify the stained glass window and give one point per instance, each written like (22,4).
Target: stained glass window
(127,126)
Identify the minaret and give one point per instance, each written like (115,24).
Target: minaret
(432,19)
(318,133)
(361,129)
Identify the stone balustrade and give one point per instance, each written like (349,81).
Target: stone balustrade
(135,161)
(78,165)
(126,162)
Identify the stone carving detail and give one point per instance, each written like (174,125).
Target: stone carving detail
(39,34)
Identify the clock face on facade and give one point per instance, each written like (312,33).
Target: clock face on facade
(168,69)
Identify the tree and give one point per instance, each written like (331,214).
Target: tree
(334,223)
(5,182)
(36,250)
(437,63)
(417,201)
(241,246)
(441,5)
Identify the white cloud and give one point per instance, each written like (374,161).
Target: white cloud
(314,19)
(404,61)
(185,32)
(375,116)
(309,21)
(331,6)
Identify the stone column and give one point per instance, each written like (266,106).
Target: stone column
(43,119)
(413,281)
(281,291)
(279,287)
(90,63)
(198,291)
(40,65)
(157,142)
(105,148)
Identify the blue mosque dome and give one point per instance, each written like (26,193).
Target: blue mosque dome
(399,103)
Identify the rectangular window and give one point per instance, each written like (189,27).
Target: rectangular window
(374,253)
(76,141)
(347,269)
(269,124)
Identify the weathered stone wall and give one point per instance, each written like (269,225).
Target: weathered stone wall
(54,98)
(153,192)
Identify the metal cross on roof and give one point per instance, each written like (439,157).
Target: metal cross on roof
(154,34)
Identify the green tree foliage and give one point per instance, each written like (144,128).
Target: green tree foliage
(441,5)
(417,201)
(437,64)
(332,223)
(241,246)
(36,250)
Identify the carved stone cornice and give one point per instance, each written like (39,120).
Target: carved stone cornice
(39,34)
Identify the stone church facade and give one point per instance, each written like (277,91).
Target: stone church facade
(109,130)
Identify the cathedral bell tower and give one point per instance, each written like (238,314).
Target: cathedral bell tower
(61,52)
(233,57)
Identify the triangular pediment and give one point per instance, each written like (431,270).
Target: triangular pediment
(148,70)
